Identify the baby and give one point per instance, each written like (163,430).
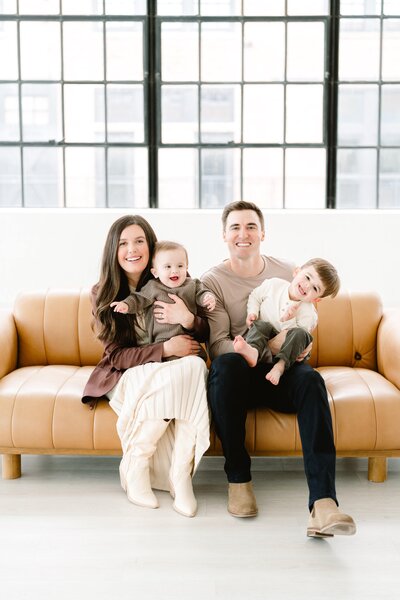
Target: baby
(286,306)
(169,268)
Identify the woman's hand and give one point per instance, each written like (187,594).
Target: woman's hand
(180,345)
(171,314)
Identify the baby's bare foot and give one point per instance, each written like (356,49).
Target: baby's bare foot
(249,353)
(276,372)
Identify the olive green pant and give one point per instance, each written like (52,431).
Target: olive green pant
(297,340)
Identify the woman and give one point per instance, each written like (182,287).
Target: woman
(145,392)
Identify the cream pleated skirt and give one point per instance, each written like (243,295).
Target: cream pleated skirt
(170,390)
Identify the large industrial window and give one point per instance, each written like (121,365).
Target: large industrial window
(195,103)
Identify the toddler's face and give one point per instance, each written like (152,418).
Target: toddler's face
(306,285)
(170,267)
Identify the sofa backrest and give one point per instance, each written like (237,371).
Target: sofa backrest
(54,327)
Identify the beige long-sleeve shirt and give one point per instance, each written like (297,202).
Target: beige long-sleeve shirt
(270,300)
(228,319)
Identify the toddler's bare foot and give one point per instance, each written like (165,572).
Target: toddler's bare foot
(249,353)
(275,373)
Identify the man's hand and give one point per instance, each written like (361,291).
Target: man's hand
(250,318)
(304,354)
(275,344)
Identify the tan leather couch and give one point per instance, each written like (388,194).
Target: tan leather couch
(48,351)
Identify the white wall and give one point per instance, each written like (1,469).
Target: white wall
(62,248)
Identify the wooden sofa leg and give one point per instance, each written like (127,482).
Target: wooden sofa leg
(377,469)
(11,466)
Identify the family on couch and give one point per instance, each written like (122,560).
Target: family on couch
(161,404)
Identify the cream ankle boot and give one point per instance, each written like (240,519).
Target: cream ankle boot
(326,520)
(180,475)
(136,482)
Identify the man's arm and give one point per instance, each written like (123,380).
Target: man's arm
(220,324)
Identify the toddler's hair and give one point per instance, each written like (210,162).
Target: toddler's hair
(165,245)
(328,275)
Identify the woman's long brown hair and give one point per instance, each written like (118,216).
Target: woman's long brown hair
(113,284)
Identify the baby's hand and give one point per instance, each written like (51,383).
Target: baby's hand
(120,307)
(209,301)
(290,312)
(250,318)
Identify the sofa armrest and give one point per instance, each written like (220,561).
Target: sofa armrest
(9,343)
(388,346)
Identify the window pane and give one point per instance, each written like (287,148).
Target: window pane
(8,47)
(177,7)
(261,124)
(40,50)
(389,179)
(264,51)
(360,7)
(356,179)
(84,113)
(220,113)
(41,112)
(85,177)
(87,65)
(8,7)
(304,117)
(180,114)
(263,176)
(390,117)
(39,7)
(180,51)
(43,177)
(221,51)
(178,178)
(359,49)
(305,61)
(308,7)
(125,113)
(264,8)
(124,51)
(391,7)
(9,112)
(10,177)
(126,7)
(82,7)
(222,8)
(391,50)
(127,178)
(358,115)
(220,177)
(305,178)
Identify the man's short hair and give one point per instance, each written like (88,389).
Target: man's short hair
(165,245)
(242,205)
(327,274)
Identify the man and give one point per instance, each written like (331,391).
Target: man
(234,387)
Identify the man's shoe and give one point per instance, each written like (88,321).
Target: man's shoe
(241,501)
(326,520)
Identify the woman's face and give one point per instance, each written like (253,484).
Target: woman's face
(133,253)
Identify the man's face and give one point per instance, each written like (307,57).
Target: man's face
(243,234)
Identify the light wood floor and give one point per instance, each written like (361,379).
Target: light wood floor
(67,532)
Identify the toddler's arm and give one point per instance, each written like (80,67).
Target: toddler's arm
(120,307)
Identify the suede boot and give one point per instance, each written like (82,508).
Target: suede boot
(326,520)
(241,500)
(180,475)
(135,475)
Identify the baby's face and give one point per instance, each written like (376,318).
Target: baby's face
(170,267)
(306,285)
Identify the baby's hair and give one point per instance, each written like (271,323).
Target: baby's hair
(328,275)
(165,245)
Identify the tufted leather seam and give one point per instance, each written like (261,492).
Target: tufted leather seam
(77,328)
(55,400)
(15,398)
(359,371)
(43,326)
(353,346)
